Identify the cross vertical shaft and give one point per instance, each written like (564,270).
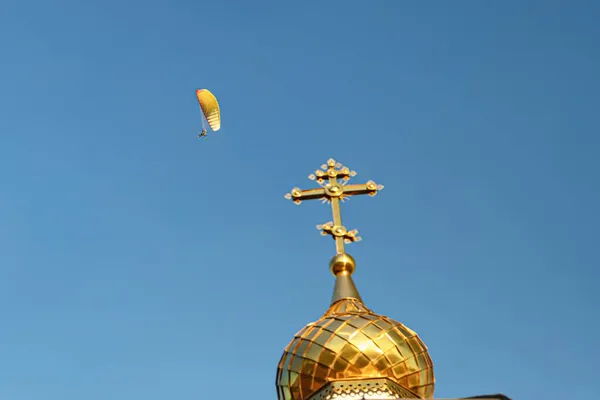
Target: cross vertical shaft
(337,221)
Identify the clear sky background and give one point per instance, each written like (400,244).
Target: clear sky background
(138,262)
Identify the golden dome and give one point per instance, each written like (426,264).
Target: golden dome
(350,352)
(352,342)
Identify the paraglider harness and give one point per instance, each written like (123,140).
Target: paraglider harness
(203,133)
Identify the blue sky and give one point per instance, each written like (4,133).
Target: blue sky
(139,262)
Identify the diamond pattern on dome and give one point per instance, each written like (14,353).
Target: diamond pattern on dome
(350,341)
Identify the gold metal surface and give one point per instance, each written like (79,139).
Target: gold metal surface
(333,178)
(352,342)
(363,389)
(342,264)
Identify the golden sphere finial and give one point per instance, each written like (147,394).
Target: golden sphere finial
(342,264)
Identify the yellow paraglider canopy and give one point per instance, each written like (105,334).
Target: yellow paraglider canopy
(210,108)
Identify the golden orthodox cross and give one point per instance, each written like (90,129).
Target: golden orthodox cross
(333,178)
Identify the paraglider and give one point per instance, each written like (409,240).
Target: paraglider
(210,109)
